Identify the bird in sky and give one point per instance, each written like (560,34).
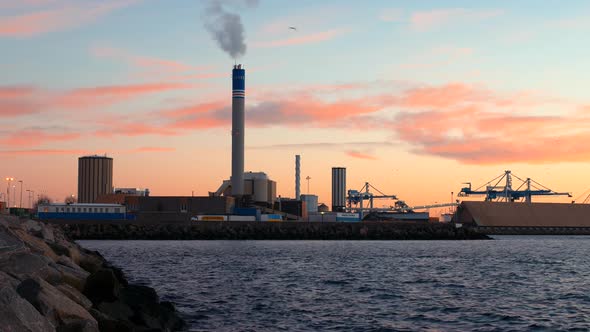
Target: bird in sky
(293,28)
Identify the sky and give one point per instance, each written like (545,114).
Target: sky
(415,97)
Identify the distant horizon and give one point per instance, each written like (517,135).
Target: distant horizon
(415,98)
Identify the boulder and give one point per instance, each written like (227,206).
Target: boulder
(88,261)
(36,244)
(17,314)
(25,265)
(9,243)
(67,261)
(102,285)
(54,305)
(71,276)
(75,295)
(108,323)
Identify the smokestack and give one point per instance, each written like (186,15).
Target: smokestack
(297,177)
(238,130)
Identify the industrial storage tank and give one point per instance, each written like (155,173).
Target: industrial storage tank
(311,202)
(338,189)
(272,192)
(95,177)
(256,185)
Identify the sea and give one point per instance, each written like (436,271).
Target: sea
(511,283)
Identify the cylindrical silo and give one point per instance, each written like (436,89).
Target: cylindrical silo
(95,177)
(338,189)
(238,130)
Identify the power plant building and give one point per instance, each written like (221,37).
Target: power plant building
(95,177)
(338,189)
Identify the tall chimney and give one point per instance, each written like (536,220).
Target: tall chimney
(297,177)
(238,130)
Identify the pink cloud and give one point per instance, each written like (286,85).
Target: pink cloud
(427,20)
(37,152)
(152,149)
(360,155)
(62,16)
(34,137)
(305,39)
(145,62)
(107,95)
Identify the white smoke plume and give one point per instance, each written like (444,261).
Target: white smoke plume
(225,27)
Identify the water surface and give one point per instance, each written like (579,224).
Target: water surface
(514,283)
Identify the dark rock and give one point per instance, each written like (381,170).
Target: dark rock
(108,323)
(75,295)
(24,265)
(101,286)
(17,314)
(59,249)
(89,262)
(117,310)
(54,305)
(72,277)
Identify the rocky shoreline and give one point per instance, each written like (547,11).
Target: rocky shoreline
(270,231)
(49,283)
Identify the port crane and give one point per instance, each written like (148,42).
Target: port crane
(501,188)
(356,197)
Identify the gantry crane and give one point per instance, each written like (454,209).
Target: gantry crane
(356,197)
(506,192)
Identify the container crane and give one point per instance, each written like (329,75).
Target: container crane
(495,191)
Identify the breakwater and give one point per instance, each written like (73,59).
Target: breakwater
(271,231)
(49,283)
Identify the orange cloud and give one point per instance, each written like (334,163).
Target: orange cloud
(360,155)
(305,39)
(62,16)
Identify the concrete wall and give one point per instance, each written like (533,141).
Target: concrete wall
(502,214)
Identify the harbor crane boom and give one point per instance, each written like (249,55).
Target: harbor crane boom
(493,190)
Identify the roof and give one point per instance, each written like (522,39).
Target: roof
(513,214)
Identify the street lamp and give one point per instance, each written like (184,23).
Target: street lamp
(20,205)
(31,196)
(8,179)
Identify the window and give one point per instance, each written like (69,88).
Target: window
(79,209)
(117,210)
(67,209)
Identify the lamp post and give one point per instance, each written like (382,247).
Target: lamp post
(30,193)
(8,179)
(20,205)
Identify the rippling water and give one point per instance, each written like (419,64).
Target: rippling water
(513,283)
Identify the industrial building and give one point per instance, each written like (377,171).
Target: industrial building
(95,177)
(338,189)
(257,188)
(133,191)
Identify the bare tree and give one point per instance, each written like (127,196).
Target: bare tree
(70,199)
(41,199)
